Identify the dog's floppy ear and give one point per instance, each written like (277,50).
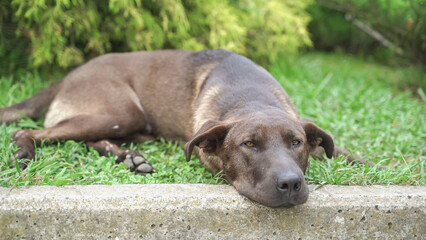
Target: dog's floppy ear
(318,137)
(208,138)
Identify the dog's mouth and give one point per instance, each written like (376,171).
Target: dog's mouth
(274,205)
(270,196)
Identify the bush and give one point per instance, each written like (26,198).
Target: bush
(65,33)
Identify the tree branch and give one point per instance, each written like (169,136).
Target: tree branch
(373,33)
(362,26)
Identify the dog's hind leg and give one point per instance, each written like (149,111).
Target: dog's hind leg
(84,128)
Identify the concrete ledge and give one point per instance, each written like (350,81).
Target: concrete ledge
(201,211)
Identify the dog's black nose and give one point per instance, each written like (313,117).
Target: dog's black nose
(289,182)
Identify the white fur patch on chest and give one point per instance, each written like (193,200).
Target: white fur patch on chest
(206,109)
(212,163)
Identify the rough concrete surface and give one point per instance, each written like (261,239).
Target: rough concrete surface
(198,211)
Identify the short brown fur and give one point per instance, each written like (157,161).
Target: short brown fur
(233,113)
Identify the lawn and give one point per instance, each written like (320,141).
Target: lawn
(371,109)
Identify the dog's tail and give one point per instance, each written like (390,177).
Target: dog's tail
(34,107)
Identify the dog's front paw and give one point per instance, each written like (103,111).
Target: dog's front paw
(138,164)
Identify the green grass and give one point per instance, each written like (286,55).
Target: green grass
(361,104)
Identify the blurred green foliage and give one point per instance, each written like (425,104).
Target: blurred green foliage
(65,33)
(402,22)
(59,34)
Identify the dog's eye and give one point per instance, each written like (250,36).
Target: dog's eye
(249,144)
(296,142)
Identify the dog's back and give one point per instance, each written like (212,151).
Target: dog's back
(161,83)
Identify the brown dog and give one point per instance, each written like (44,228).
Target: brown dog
(234,114)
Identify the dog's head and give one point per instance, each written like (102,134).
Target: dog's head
(264,156)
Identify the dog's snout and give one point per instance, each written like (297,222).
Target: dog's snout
(289,182)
